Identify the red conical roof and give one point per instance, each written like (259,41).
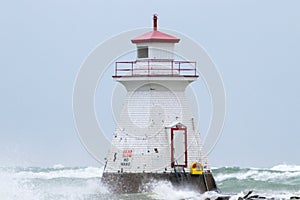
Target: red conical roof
(155,35)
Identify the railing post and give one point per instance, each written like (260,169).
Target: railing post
(148,69)
(116,72)
(131,68)
(172,63)
(179,68)
(195,68)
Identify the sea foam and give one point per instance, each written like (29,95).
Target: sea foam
(60,183)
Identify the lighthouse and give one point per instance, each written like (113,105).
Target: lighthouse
(155,137)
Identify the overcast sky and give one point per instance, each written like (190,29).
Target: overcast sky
(255,45)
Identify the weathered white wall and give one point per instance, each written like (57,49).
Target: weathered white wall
(146,113)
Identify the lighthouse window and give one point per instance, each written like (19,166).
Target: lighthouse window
(142,52)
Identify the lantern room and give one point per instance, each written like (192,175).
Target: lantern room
(155,44)
(155,57)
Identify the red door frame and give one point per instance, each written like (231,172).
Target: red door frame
(172,146)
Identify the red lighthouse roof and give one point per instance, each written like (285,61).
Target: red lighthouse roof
(155,35)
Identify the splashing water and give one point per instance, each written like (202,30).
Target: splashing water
(59,182)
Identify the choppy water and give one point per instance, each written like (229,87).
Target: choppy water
(58,182)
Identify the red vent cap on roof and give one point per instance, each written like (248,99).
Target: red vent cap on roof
(155,35)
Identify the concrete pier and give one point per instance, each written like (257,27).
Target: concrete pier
(141,182)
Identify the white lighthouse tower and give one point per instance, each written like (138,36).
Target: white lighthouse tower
(155,137)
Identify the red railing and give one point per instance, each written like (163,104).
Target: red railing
(155,68)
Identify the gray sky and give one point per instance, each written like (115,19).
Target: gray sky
(255,45)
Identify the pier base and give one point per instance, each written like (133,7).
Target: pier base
(140,182)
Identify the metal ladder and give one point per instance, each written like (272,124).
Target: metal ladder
(179,175)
